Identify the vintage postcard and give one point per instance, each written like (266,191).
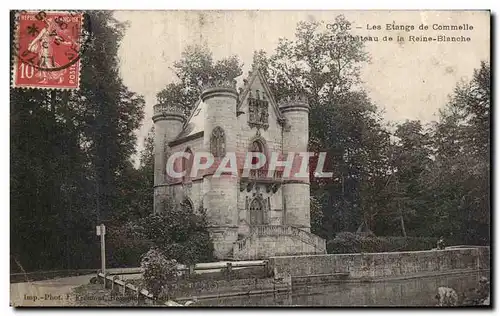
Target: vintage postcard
(250,158)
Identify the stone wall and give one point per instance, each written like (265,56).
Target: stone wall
(220,288)
(297,211)
(384,265)
(260,247)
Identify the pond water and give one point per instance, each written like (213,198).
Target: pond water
(412,292)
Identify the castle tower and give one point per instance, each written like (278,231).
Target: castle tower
(168,122)
(221,193)
(296,190)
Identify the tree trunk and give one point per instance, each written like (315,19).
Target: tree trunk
(360,227)
(403,229)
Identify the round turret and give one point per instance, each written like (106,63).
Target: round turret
(168,121)
(296,190)
(221,195)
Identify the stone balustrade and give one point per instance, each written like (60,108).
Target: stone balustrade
(277,230)
(256,174)
(260,231)
(219,83)
(161,108)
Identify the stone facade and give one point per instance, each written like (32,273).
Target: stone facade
(252,215)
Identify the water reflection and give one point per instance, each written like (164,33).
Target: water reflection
(413,292)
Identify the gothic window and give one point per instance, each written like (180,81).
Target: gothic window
(218,143)
(258,109)
(187,164)
(256,212)
(256,147)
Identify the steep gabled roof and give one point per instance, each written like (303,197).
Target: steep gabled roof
(256,73)
(195,124)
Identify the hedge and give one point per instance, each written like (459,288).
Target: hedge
(346,242)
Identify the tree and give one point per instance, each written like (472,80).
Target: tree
(136,186)
(69,151)
(111,112)
(195,68)
(324,66)
(410,157)
(459,179)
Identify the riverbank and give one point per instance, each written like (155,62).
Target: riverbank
(416,292)
(292,273)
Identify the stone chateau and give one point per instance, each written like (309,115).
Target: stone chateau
(250,216)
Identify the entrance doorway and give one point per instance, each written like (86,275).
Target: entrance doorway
(256,212)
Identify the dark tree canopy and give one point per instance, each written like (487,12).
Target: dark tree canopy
(70,154)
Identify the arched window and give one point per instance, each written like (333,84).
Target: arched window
(256,147)
(187,164)
(218,142)
(256,212)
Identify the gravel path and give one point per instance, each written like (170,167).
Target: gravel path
(54,292)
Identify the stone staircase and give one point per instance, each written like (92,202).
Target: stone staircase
(277,240)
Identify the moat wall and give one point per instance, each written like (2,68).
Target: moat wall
(367,266)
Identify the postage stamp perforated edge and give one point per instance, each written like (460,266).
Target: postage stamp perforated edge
(15,59)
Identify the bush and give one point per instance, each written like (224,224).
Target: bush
(123,249)
(158,272)
(179,233)
(347,242)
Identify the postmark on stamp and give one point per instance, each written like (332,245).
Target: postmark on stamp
(47,50)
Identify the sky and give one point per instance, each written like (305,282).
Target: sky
(408,80)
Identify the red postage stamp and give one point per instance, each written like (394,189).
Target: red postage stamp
(47,50)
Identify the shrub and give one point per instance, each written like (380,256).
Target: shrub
(123,248)
(347,242)
(158,272)
(179,233)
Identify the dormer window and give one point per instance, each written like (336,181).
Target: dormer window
(258,109)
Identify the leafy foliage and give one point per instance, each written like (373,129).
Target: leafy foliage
(346,242)
(195,68)
(178,232)
(158,271)
(123,248)
(458,181)
(70,154)
(417,180)
(347,125)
